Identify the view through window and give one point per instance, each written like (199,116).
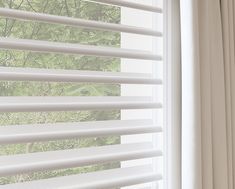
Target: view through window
(27,59)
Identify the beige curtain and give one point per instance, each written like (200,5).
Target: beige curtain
(208,94)
(228,28)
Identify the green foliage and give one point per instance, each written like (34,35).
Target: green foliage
(58,33)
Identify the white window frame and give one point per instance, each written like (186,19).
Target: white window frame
(171,99)
(172,94)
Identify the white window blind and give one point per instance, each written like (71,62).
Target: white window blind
(17,166)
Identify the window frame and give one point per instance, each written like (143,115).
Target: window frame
(172,94)
(149,44)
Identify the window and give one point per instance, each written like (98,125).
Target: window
(81,94)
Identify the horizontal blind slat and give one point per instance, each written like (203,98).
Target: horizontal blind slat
(129,4)
(45,132)
(97,180)
(26,15)
(68,48)
(35,104)
(30,74)
(41,161)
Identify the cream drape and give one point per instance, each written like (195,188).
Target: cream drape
(208,94)
(228,27)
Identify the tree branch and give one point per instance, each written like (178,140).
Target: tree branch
(31,6)
(67,8)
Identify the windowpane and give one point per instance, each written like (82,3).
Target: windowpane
(25,59)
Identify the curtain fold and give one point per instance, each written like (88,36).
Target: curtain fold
(208,82)
(228,23)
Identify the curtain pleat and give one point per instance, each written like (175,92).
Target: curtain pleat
(228,22)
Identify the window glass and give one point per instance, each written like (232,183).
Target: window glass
(25,59)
